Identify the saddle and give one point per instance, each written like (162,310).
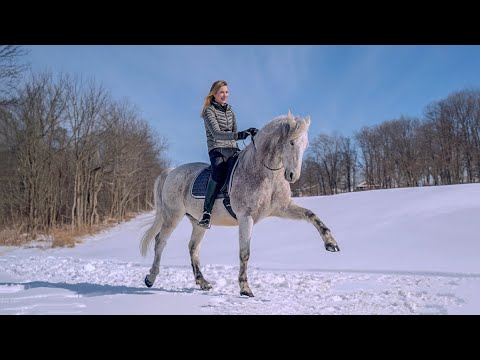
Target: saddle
(199,186)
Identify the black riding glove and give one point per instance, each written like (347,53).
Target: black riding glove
(253,131)
(242,135)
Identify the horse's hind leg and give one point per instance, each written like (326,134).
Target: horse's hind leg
(160,241)
(194,248)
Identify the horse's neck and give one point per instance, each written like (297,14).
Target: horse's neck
(254,163)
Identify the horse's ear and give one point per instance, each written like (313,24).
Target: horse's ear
(307,120)
(290,122)
(289,115)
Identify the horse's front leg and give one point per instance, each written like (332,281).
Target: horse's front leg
(194,247)
(293,211)
(245,233)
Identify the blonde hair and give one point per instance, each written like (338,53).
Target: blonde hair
(213,90)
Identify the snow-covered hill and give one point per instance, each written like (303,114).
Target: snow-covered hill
(403,251)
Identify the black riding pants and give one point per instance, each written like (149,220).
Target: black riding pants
(219,158)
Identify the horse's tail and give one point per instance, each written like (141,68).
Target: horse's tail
(157,224)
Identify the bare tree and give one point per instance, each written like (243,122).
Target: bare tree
(405,155)
(87,107)
(309,182)
(442,148)
(70,155)
(348,155)
(31,128)
(462,109)
(128,180)
(447,156)
(369,148)
(10,70)
(326,151)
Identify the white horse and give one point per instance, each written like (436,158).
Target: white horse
(260,188)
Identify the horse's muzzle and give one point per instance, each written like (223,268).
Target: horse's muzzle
(290,176)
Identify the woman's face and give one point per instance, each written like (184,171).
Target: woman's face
(221,96)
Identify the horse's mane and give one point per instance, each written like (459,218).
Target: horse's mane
(281,124)
(274,134)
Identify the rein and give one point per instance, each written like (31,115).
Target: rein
(255,147)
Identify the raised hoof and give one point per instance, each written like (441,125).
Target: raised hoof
(246,293)
(332,247)
(148,282)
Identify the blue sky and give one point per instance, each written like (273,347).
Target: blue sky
(341,87)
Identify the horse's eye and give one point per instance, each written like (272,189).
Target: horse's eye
(291,143)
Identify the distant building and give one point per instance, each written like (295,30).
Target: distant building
(364,186)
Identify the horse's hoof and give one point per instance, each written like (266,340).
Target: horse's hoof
(332,247)
(148,282)
(246,293)
(206,286)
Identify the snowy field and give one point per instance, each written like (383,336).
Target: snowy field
(403,251)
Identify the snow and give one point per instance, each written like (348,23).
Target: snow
(403,251)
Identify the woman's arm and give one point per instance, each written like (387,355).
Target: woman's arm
(212,125)
(234,122)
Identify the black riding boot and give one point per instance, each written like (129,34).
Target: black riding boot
(212,191)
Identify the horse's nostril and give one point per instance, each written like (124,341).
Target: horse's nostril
(291,176)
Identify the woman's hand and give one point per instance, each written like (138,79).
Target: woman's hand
(253,131)
(242,135)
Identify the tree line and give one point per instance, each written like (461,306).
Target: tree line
(441,148)
(72,156)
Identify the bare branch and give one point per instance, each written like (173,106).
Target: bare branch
(10,70)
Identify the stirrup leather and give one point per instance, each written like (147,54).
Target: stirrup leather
(228,206)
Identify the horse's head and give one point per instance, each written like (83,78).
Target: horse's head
(295,142)
(281,143)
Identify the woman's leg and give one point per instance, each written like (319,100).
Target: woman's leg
(215,183)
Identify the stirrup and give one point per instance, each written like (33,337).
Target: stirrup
(205,221)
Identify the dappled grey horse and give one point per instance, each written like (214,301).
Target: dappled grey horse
(260,188)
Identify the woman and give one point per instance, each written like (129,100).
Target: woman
(222,136)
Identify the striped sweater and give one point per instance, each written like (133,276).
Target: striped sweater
(220,126)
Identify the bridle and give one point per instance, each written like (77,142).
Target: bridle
(268,167)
